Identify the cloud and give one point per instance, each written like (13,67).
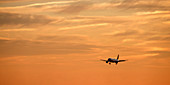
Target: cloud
(16,30)
(77,22)
(22,19)
(153,13)
(36,6)
(76,7)
(126,33)
(62,38)
(39,4)
(82,26)
(160,38)
(43,47)
(145,5)
(6,1)
(161,53)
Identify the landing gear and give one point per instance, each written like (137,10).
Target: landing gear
(110,63)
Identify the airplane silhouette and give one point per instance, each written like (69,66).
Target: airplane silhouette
(112,60)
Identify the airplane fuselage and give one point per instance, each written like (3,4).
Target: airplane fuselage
(112,60)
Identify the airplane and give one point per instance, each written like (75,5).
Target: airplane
(111,60)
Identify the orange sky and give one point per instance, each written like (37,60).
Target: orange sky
(59,42)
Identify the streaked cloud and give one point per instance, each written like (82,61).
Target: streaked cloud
(6,1)
(22,19)
(13,30)
(82,26)
(62,38)
(145,5)
(39,4)
(154,12)
(58,45)
(76,7)
(126,33)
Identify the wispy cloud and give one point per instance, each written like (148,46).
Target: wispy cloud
(145,5)
(17,30)
(153,12)
(22,19)
(76,7)
(7,1)
(39,4)
(83,26)
(42,46)
(62,38)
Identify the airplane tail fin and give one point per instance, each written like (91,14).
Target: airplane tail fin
(118,56)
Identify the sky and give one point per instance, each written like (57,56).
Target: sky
(60,42)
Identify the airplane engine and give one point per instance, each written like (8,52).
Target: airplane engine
(106,61)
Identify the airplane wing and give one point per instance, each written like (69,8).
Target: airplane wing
(122,60)
(103,60)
